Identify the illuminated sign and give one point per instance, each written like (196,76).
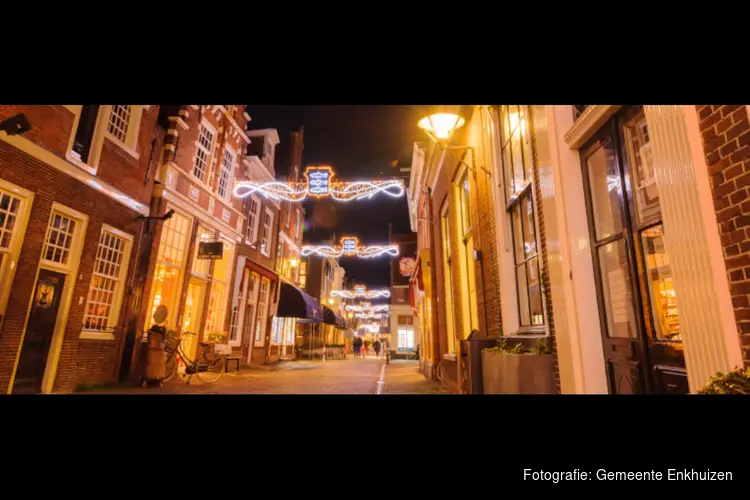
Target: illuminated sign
(319,180)
(349,246)
(359,289)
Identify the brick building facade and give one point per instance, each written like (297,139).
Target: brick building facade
(725,131)
(72,189)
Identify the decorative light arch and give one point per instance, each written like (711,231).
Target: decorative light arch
(361,291)
(350,247)
(319,184)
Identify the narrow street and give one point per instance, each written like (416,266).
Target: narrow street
(354,376)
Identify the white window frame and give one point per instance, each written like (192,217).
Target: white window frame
(467,269)
(209,154)
(265,248)
(119,292)
(70,269)
(253,221)
(230,174)
(101,132)
(9,261)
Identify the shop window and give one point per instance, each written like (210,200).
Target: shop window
(448,300)
(15,204)
(470,312)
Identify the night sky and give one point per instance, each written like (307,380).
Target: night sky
(360,142)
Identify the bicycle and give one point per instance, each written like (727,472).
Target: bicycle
(208,366)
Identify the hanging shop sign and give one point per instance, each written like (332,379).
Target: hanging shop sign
(319,184)
(407,265)
(211,250)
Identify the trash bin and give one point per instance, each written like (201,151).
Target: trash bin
(156,356)
(471,357)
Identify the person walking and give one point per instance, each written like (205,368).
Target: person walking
(376,348)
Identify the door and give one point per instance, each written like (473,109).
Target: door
(250,309)
(193,315)
(39,330)
(637,303)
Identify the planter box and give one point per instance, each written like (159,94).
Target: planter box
(505,373)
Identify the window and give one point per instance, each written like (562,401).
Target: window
(169,263)
(405,333)
(201,267)
(251,310)
(303,274)
(445,229)
(262,320)
(59,239)
(225,176)
(238,309)
(298,227)
(253,219)
(288,221)
(84,135)
(107,282)
(517,158)
(470,312)
(217,304)
(277,326)
(119,121)
(203,152)
(279,256)
(265,240)
(15,204)
(290,328)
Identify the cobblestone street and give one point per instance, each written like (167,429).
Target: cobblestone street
(353,376)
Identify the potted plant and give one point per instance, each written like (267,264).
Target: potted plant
(517,370)
(736,381)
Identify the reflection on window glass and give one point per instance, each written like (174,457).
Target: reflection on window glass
(606,190)
(523,296)
(666,320)
(640,160)
(618,295)
(535,292)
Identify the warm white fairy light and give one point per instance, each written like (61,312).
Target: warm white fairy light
(370,315)
(319,184)
(350,247)
(366,306)
(367,294)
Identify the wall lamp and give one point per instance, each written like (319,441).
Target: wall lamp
(15,125)
(440,124)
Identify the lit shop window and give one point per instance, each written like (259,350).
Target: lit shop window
(447,298)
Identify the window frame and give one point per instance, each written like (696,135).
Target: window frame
(227,196)
(209,154)
(513,200)
(9,261)
(109,333)
(253,220)
(265,248)
(469,302)
(262,312)
(101,132)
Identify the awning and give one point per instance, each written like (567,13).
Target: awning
(295,303)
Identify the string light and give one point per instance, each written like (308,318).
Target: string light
(366,306)
(350,247)
(319,184)
(371,315)
(369,294)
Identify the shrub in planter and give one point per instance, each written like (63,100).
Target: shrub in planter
(516,370)
(735,382)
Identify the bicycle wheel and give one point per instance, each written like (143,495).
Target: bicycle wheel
(171,367)
(210,368)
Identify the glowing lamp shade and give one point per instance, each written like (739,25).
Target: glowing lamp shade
(293,263)
(441,125)
(330,301)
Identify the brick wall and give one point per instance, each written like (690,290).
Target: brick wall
(726,143)
(98,360)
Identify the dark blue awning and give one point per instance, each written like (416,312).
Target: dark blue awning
(295,303)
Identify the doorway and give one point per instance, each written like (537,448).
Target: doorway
(40,328)
(193,315)
(643,350)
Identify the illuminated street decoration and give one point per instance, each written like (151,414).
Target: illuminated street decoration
(360,291)
(320,184)
(370,315)
(366,306)
(350,247)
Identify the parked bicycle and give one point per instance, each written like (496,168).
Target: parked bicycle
(208,366)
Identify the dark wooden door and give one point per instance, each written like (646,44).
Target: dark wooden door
(39,330)
(640,326)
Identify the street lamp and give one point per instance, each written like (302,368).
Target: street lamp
(293,263)
(330,301)
(440,122)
